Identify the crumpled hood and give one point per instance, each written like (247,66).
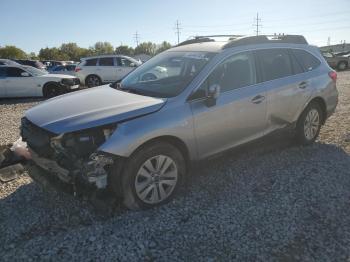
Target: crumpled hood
(90,108)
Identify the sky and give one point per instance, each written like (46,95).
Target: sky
(34,24)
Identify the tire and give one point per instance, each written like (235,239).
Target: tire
(144,188)
(93,80)
(342,65)
(51,90)
(309,124)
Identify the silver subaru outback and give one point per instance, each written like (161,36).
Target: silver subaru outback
(136,139)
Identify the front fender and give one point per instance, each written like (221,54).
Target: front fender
(172,120)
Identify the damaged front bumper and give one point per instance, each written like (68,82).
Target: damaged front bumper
(91,177)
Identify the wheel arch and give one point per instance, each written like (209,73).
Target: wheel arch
(321,102)
(173,140)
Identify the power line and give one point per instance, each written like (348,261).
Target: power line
(177,31)
(137,38)
(257,25)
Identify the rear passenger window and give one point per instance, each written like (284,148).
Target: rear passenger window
(91,62)
(106,61)
(274,64)
(307,60)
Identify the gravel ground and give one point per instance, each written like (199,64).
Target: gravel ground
(269,201)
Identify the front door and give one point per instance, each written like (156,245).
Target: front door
(240,111)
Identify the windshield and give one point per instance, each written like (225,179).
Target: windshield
(35,72)
(167,74)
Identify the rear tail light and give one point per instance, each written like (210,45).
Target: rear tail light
(333,75)
(77,69)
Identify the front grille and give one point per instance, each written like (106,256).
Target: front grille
(76,81)
(37,138)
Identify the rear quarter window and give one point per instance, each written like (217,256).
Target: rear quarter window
(91,62)
(306,60)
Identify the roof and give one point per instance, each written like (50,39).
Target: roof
(99,56)
(204,46)
(208,44)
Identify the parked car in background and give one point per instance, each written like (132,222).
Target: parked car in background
(52,63)
(8,62)
(336,61)
(27,81)
(34,63)
(138,139)
(94,71)
(63,69)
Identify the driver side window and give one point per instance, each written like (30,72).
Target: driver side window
(14,72)
(235,72)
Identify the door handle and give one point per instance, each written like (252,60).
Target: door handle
(303,85)
(258,99)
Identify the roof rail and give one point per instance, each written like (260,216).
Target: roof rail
(206,38)
(266,39)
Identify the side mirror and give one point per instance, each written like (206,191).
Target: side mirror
(25,74)
(212,95)
(133,65)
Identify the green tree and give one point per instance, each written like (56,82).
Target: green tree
(124,50)
(52,54)
(102,48)
(12,52)
(163,46)
(72,51)
(147,48)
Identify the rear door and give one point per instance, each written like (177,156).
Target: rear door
(285,83)
(106,69)
(240,111)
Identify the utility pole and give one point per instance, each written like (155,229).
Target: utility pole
(137,38)
(257,24)
(177,31)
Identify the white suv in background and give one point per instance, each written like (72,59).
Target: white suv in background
(94,71)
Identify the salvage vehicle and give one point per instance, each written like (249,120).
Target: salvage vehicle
(138,140)
(26,81)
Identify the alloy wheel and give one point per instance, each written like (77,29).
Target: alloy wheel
(311,124)
(156,179)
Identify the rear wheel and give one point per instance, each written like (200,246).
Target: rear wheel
(51,90)
(309,124)
(93,80)
(152,176)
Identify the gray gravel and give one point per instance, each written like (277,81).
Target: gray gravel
(269,201)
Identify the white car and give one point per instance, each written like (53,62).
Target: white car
(27,81)
(94,71)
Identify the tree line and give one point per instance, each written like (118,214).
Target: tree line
(72,52)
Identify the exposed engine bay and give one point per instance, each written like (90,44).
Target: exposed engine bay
(71,157)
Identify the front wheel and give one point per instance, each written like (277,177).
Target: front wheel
(152,176)
(51,90)
(309,124)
